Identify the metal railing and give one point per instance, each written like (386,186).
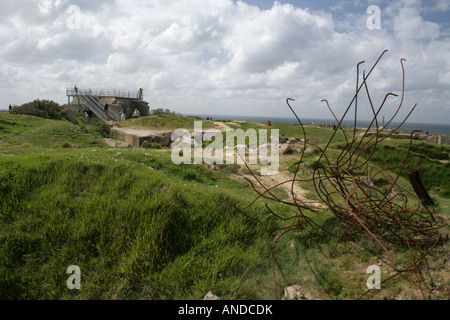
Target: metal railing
(105,93)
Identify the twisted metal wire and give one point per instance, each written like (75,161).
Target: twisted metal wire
(384,212)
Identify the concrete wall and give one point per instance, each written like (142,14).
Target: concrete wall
(119,105)
(136,137)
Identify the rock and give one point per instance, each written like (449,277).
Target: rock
(70,116)
(211,296)
(286,149)
(146,144)
(179,133)
(294,293)
(180,143)
(117,143)
(44,108)
(281,138)
(155,138)
(367,181)
(165,139)
(438,139)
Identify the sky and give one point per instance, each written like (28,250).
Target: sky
(229,57)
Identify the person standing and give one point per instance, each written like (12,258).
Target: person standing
(136,113)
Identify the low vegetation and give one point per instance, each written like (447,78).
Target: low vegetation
(140,227)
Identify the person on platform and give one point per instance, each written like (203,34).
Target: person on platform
(136,113)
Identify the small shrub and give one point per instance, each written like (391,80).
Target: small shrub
(66,145)
(16,110)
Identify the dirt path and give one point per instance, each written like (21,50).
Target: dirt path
(222,126)
(281,180)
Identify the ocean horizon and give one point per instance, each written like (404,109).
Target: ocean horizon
(407,127)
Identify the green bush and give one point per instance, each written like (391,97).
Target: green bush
(16,110)
(156,145)
(66,145)
(42,108)
(160,111)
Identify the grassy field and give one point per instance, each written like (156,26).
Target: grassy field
(140,227)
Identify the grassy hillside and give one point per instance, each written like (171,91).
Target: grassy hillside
(136,228)
(37,132)
(140,227)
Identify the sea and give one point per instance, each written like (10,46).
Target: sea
(407,127)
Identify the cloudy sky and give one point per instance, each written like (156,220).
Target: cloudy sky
(227,57)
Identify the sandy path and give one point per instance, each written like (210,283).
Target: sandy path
(222,126)
(281,180)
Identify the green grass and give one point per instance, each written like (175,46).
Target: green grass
(314,134)
(31,131)
(434,173)
(136,232)
(140,227)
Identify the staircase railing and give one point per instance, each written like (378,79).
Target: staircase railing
(105,93)
(92,100)
(95,108)
(111,112)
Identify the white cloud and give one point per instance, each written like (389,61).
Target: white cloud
(222,57)
(442,5)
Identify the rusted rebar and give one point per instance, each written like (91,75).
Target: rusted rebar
(366,199)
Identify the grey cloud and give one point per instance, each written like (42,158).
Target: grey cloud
(219,54)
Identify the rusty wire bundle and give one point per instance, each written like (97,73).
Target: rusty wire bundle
(365,198)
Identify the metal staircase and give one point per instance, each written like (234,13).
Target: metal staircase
(97,108)
(92,100)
